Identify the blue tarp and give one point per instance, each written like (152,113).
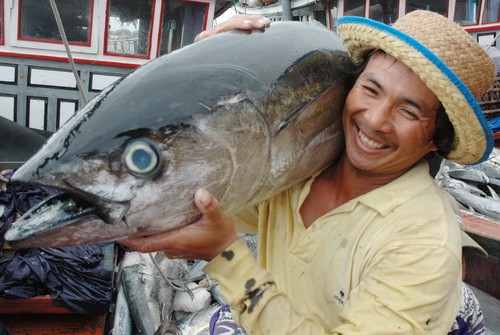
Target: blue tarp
(73,276)
(494,124)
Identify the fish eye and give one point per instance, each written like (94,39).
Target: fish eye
(142,157)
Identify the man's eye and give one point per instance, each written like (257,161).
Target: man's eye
(370,90)
(410,114)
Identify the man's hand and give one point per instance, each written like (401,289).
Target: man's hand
(4,181)
(204,239)
(240,22)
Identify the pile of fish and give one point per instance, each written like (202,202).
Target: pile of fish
(160,296)
(475,187)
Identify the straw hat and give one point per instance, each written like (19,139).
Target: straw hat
(446,58)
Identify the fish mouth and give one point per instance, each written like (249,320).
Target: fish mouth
(55,214)
(90,204)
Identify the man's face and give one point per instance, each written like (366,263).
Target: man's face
(389,119)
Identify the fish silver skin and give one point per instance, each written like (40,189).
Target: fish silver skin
(198,323)
(138,283)
(486,206)
(123,324)
(244,116)
(475,187)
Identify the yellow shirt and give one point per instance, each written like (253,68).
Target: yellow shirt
(387,262)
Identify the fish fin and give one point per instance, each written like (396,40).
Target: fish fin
(284,123)
(329,101)
(471,209)
(309,78)
(493,193)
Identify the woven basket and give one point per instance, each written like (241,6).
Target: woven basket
(490,101)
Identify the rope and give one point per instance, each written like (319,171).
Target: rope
(493,42)
(68,52)
(174,287)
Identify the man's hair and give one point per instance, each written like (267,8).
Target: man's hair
(445,133)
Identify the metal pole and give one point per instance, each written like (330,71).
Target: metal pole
(68,52)
(287,10)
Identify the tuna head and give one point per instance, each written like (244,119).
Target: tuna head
(243,116)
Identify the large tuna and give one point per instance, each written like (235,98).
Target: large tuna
(242,115)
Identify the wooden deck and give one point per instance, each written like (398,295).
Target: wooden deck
(483,272)
(491,311)
(52,324)
(39,316)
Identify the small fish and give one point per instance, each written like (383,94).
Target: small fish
(217,294)
(494,193)
(198,323)
(168,329)
(471,187)
(488,168)
(123,324)
(196,273)
(469,175)
(138,282)
(244,116)
(483,205)
(444,180)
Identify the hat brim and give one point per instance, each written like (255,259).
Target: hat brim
(468,242)
(473,136)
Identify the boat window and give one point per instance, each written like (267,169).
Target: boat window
(320,16)
(491,11)
(181,22)
(37,21)
(384,10)
(354,8)
(466,12)
(129,27)
(438,6)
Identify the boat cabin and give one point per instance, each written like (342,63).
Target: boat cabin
(479,17)
(107,39)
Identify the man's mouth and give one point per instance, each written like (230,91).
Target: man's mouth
(369,142)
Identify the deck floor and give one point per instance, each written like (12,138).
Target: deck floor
(491,310)
(51,324)
(75,324)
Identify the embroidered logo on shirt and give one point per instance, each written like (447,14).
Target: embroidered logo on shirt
(340,297)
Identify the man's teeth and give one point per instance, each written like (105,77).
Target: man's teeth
(370,143)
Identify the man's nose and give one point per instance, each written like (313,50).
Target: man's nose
(379,117)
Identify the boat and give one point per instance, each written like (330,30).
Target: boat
(39,92)
(107,39)
(480,18)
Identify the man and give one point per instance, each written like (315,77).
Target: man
(370,245)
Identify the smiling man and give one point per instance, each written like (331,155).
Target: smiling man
(389,119)
(371,244)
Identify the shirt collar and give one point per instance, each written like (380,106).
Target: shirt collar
(385,198)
